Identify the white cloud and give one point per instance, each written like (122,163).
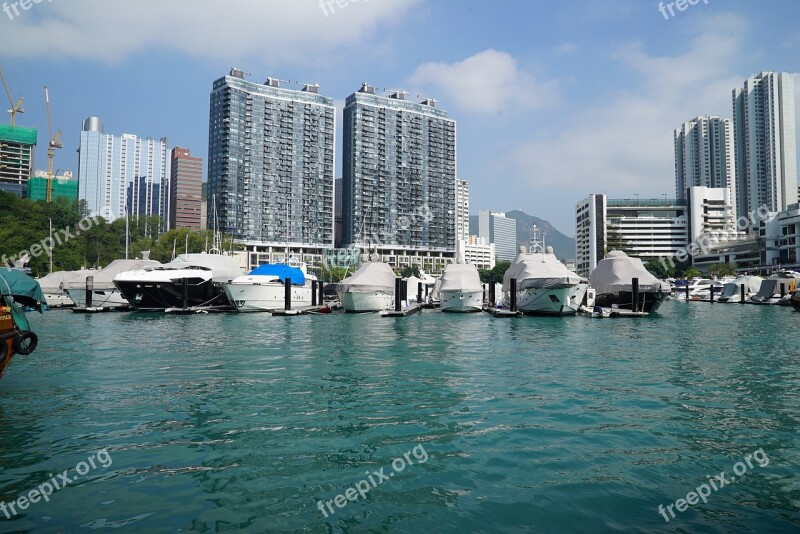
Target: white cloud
(489,82)
(566,48)
(625,145)
(279,30)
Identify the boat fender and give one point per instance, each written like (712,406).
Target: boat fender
(25,342)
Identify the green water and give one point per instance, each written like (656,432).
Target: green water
(223,423)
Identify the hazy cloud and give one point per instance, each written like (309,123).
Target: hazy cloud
(489,82)
(296,30)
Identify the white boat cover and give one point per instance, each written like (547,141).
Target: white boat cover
(751,285)
(223,267)
(57,281)
(536,269)
(371,276)
(615,273)
(771,287)
(461,277)
(104,278)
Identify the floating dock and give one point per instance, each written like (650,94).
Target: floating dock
(503,313)
(414,308)
(302,310)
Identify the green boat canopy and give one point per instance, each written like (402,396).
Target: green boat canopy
(23,288)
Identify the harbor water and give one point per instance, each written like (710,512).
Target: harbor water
(226,422)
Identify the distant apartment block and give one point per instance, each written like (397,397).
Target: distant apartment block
(186,190)
(17,146)
(462,209)
(704,155)
(122,172)
(271,167)
(399,177)
(646,229)
(765,143)
(499,230)
(477,251)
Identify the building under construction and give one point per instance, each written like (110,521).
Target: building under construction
(16,158)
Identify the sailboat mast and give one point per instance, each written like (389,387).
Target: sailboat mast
(127,233)
(51,245)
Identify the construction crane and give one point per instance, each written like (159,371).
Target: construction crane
(15,108)
(55,142)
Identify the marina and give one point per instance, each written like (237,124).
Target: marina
(547,422)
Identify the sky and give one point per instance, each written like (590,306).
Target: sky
(553,100)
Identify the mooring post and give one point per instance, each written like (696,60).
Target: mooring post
(513,293)
(741,292)
(89,291)
(185,293)
(397,286)
(287,294)
(313,292)
(635,294)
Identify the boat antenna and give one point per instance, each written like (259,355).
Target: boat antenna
(174,244)
(187,243)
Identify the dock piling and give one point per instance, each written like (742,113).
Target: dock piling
(635,294)
(513,294)
(185,293)
(397,286)
(741,292)
(89,291)
(287,295)
(313,292)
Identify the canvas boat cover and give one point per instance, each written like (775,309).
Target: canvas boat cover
(56,282)
(536,269)
(25,290)
(615,273)
(371,276)
(461,277)
(282,271)
(751,285)
(104,278)
(771,287)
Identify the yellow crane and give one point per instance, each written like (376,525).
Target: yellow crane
(15,108)
(55,142)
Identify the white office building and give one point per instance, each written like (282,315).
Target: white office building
(704,155)
(462,209)
(477,251)
(500,230)
(765,143)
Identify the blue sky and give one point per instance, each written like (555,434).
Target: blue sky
(554,99)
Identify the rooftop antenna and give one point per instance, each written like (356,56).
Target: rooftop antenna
(427,101)
(396,93)
(275,82)
(309,87)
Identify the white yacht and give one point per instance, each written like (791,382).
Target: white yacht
(544,284)
(461,289)
(104,293)
(188,281)
(264,288)
(613,281)
(370,288)
(779,286)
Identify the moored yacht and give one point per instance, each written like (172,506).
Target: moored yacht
(264,288)
(104,292)
(732,292)
(370,288)
(461,289)
(53,284)
(613,281)
(544,284)
(776,288)
(188,281)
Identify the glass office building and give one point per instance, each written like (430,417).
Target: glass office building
(399,174)
(271,162)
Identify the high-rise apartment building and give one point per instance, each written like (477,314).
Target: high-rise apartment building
(16,158)
(500,230)
(704,155)
(185,190)
(122,172)
(271,165)
(462,209)
(765,143)
(399,175)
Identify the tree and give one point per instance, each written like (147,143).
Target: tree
(723,269)
(330,274)
(614,241)
(495,274)
(691,272)
(408,272)
(660,270)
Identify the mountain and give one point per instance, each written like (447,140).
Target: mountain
(563,246)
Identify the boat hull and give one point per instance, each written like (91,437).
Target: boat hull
(461,301)
(101,298)
(365,302)
(648,301)
(265,297)
(160,296)
(58,300)
(551,300)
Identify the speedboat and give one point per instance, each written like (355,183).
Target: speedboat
(264,288)
(461,289)
(700,288)
(104,293)
(732,291)
(777,288)
(544,284)
(53,284)
(370,288)
(613,280)
(188,281)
